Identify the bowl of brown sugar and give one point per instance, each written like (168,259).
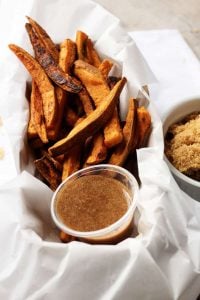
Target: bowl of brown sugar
(96,204)
(181,129)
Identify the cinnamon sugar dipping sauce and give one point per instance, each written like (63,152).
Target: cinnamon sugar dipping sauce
(96,204)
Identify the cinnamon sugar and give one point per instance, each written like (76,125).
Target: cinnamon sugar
(91,202)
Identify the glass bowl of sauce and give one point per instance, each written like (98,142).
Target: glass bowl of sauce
(96,204)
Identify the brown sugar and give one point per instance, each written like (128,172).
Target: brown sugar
(91,202)
(182,145)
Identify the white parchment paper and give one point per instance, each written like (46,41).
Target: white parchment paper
(163,261)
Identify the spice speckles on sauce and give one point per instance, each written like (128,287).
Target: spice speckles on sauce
(91,202)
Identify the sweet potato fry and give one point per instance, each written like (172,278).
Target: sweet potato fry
(86,101)
(45,38)
(92,123)
(62,79)
(31,130)
(144,126)
(92,55)
(37,113)
(47,169)
(99,151)
(105,67)
(35,143)
(122,151)
(81,43)
(67,56)
(98,89)
(72,162)
(44,85)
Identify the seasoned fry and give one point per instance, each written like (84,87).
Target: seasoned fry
(93,80)
(105,67)
(113,134)
(92,55)
(72,162)
(99,150)
(47,169)
(37,113)
(62,79)
(67,55)
(44,85)
(66,59)
(31,130)
(45,38)
(144,126)
(121,152)
(58,166)
(98,89)
(86,101)
(81,43)
(94,122)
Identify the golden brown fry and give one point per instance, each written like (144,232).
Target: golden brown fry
(93,80)
(92,123)
(62,79)
(113,134)
(45,87)
(81,43)
(105,67)
(67,55)
(31,130)
(144,126)
(98,89)
(47,169)
(36,143)
(37,113)
(92,55)
(72,162)
(58,166)
(86,101)
(66,59)
(47,41)
(121,152)
(99,151)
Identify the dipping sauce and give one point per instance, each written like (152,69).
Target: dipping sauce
(91,202)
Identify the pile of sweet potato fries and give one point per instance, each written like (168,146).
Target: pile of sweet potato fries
(74,114)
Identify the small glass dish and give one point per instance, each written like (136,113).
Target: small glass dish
(115,232)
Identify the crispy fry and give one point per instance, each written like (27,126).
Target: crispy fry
(47,41)
(62,79)
(94,122)
(67,55)
(93,80)
(44,85)
(113,134)
(37,113)
(66,59)
(99,151)
(31,130)
(121,152)
(105,67)
(98,89)
(72,162)
(58,166)
(144,126)
(86,101)
(92,55)
(81,43)
(47,169)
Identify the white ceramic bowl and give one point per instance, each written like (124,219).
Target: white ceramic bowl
(178,112)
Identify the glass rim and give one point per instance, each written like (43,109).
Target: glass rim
(110,228)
